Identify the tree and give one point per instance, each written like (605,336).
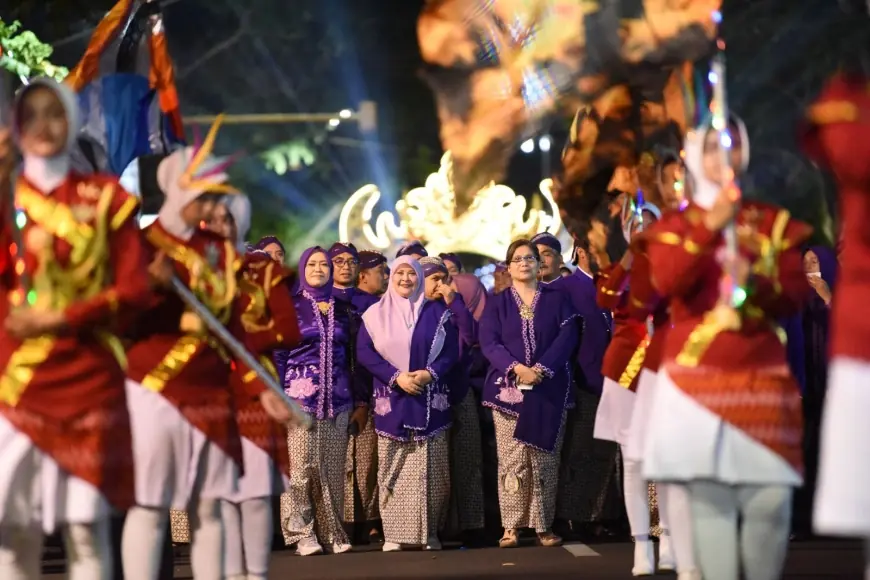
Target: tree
(24,55)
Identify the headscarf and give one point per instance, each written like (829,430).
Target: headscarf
(827,264)
(391,321)
(549,240)
(413,247)
(431,265)
(187,174)
(451,257)
(323,293)
(473,293)
(704,191)
(339,248)
(239,206)
(268,241)
(47,173)
(369,259)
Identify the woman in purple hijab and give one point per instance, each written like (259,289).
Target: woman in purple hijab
(820,266)
(466,461)
(272,246)
(529,335)
(409,345)
(316,374)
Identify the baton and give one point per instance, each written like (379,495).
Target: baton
(239,351)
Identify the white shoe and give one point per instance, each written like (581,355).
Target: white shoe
(644,558)
(667,562)
(308,547)
(690,575)
(341,548)
(391,547)
(433,544)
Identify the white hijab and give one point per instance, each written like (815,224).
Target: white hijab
(704,190)
(47,173)
(392,320)
(239,206)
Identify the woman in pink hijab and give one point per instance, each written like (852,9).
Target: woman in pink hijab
(409,345)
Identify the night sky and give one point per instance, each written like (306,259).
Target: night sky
(327,55)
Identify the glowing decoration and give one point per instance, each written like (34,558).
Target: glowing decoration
(20,219)
(496,217)
(290,156)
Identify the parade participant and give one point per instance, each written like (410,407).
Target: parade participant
(186,444)
(837,138)
(550,250)
(645,304)
(410,346)
(414,248)
(466,477)
(318,374)
(528,335)
(345,265)
(269,322)
(501,278)
(373,273)
(727,411)
(621,368)
(451,262)
(64,426)
(272,246)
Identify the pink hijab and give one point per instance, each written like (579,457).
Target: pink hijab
(391,321)
(473,293)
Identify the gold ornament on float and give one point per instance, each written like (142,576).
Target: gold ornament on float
(496,217)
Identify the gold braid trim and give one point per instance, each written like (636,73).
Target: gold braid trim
(635,364)
(718,320)
(173,363)
(22,366)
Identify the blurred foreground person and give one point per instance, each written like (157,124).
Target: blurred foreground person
(66,459)
(839,140)
(727,409)
(186,443)
(268,322)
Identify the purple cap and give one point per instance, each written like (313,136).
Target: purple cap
(414,247)
(548,239)
(339,248)
(371,259)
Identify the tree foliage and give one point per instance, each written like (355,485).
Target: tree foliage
(24,55)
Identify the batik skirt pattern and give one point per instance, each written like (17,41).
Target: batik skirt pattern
(313,505)
(414,482)
(466,468)
(362,476)
(528,478)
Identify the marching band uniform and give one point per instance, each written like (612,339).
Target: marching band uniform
(644,303)
(186,441)
(65,446)
(268,319)
(839,139)
(621,368)
(728,412)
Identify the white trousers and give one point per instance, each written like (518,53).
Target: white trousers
(248,528)
(88,551)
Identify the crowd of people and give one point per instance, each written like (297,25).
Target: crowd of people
(407,394)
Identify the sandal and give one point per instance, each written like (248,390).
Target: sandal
(510,539)
(549,540)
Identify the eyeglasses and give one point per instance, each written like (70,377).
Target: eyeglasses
(341,262)
(521,259)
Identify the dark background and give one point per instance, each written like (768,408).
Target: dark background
(262,56)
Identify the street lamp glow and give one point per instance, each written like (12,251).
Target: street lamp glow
(528,146)
(334,122)
(345,114)
(544,143)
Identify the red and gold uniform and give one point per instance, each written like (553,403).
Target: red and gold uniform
(644,303)
(175,359)
(62,401)
(622,360)
(727,377)
(838,138)
(268,318)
